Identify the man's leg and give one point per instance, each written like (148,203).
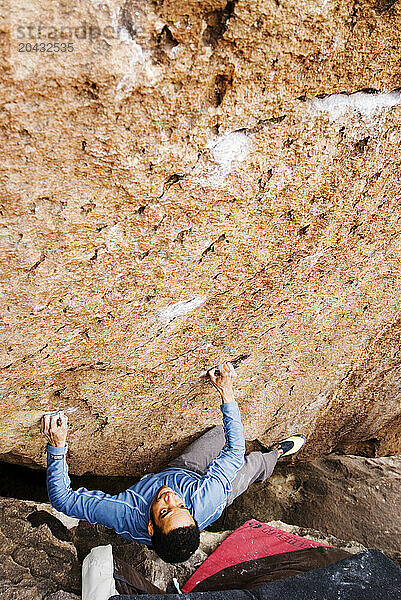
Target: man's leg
(198,455)
(258,466)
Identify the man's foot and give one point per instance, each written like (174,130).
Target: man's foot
(290,445)
(287,447)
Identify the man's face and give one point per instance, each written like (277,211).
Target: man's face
(169,511)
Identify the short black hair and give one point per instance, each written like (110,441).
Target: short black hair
(178,544)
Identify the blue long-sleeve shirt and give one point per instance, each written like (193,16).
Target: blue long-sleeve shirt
(128,513)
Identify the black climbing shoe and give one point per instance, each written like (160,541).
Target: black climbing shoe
(291,445)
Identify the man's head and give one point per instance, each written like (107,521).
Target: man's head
(174,532)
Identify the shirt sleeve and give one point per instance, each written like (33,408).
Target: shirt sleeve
(114,512)
(227,464)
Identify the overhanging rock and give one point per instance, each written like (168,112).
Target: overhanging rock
(191,184)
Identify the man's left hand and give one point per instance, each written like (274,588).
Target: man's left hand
(54,429)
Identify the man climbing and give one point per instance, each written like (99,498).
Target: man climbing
(167,510)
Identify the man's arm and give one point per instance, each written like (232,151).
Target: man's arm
(94,506)
(227,464)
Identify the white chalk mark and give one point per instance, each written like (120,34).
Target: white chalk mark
(113,237)
(321,8)
(127,82)
(366,105)
(204,346)
(311,260)
(140,67)
(179,309)
(230,148)
(66,411)
(321,400)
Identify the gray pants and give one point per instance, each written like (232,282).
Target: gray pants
(197,456)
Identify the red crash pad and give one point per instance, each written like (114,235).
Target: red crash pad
(252,540)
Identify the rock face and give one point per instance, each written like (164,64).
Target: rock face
(190,182)
(352,498)
(37,557)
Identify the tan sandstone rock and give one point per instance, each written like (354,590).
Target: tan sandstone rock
(199,181)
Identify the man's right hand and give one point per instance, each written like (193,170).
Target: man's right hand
(223,380)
